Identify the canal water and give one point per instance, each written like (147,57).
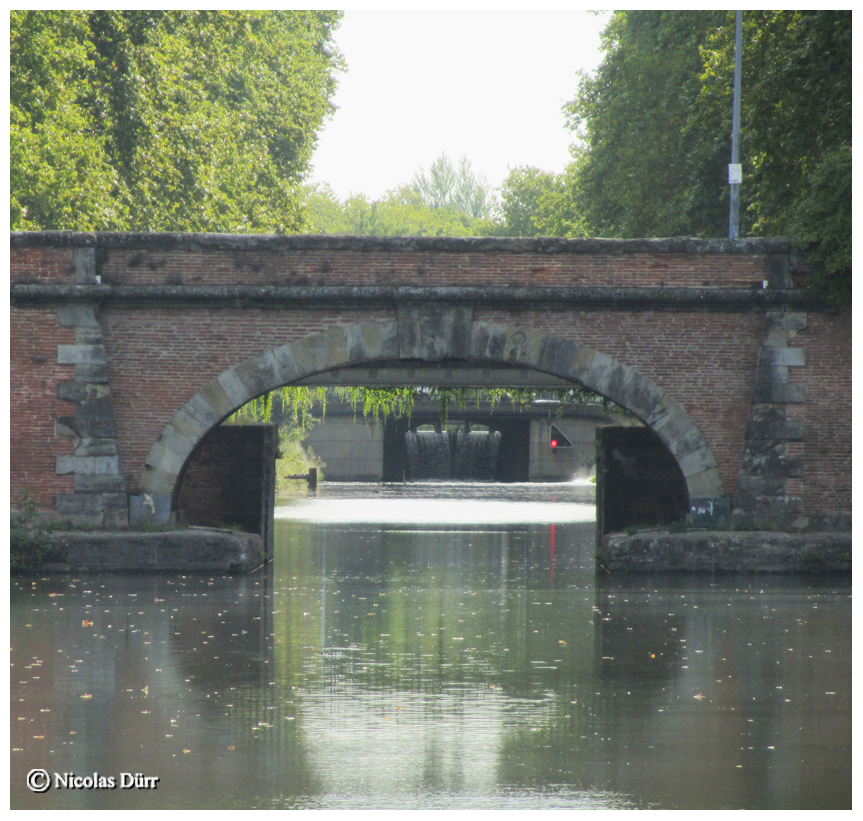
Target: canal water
(433,646)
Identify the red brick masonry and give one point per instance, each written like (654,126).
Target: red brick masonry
(159,354)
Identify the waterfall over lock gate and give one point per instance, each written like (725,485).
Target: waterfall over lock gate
(452,455)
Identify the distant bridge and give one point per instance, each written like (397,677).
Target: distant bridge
(357,449)
(127,349)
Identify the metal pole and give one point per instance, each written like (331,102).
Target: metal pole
(735,175)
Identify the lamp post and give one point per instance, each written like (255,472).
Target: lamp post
(735,172)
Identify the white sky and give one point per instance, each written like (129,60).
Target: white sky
(486,84)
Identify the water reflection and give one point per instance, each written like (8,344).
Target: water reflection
(414,663)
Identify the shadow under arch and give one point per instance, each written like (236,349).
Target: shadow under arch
(449,336)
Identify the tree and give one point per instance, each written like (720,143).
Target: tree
(457,188)
(821,225)
(797,132)
(656,122)
(523,192)
(539,204)
(167,120)
(633,178)
(60,173)
(401,212)
(324,213)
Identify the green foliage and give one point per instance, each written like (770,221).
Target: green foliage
(445,201)
(796,102)
(290,406)
(655,122)
(60,174)
(821,225)
(293,459)
(378,403)
(633,178)
(540,204)
(166,120)
(458,189)
(297,408)
(28,537)
(399,213)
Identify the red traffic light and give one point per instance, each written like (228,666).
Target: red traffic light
(557,439)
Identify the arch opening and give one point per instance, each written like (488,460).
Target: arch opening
(455,351)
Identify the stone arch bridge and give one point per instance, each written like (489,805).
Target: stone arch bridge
(127,349)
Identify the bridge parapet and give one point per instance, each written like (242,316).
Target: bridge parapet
(124,259)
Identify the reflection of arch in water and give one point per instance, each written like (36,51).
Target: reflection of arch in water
(447,336)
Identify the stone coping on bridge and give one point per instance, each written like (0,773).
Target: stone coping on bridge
(346,296)
(331,242)
(659,551)
(194,550)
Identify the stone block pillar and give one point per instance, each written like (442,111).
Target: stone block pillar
(772,450)
(100,496)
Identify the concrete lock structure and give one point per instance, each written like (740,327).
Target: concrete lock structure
(128,349)
(354,449)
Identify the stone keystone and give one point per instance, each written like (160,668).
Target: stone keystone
(523,345)
(433,333)
(320,352)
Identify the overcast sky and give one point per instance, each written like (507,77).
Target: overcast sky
(486,84)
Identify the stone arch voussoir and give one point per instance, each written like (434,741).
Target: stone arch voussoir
(433,336)
(622,384)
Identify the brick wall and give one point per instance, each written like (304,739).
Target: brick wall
(826,448)
(358,268)
(41,264)
(34,374)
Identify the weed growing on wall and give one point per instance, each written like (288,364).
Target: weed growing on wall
(28,537)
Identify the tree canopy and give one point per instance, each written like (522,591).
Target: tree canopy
(166,120)
(206,121)
(540,203)
(456,188)
(655,122)
(447,200)
(401,212)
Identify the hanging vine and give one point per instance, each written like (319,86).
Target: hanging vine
(300,406)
